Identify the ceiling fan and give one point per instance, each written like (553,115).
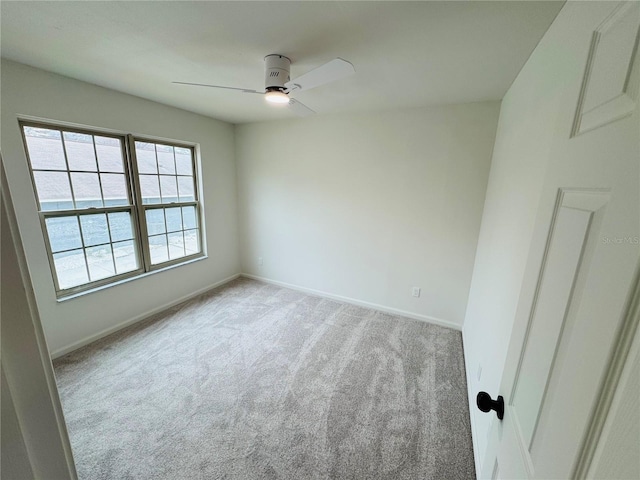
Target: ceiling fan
(278,84)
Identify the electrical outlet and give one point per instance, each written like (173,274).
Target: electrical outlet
(415,291)
(479,372)
(259,260)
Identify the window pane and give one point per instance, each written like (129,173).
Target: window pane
(54,192)
(183,161)
(94,229)
(174,219)
(146,157)
(191,242)
(100,262)
(45,148)
(64,233)
(86,190)
(185,189)
(166,163)
(114,189)
(158,249)
(150,189)
(176,245)
(125,256)
(189,217)
(80,153)
(168,188)
(155,221)
(120,226)
(71,269)
(109,153)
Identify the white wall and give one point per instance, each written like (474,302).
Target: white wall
(33,429)
(33,92)
(14,458)
(532,148)
(367,206)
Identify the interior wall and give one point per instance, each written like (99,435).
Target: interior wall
(32,92)
(33,429)
(368,206)
(533,146)
(13,454)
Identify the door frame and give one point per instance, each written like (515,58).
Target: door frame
(42,382)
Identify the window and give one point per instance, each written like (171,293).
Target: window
(112,206)
(168,200)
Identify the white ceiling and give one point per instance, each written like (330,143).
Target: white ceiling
(406,54)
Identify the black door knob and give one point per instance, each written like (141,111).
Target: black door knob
(486,404)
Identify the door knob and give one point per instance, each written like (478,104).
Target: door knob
(486,404)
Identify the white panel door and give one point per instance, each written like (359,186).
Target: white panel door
(570,318)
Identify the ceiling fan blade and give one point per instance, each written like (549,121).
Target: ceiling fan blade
(300,109)
(245,90)
(329,72)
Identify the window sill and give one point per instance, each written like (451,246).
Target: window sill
(129,279)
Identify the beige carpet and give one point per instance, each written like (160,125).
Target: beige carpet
(254,381)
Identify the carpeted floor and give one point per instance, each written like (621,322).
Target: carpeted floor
(254,381)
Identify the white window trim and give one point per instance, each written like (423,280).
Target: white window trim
(136,207)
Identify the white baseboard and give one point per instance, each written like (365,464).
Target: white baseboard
(394,311)
(360,303)
(107,331)
(472,407)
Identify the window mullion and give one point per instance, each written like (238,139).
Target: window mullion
(88,211)
(151,206)
(141,222)
(196,196)
(66,162)
(95,152)
(113,252)
(84,248)
(47,242)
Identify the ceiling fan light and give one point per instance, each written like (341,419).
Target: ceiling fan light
(276,96)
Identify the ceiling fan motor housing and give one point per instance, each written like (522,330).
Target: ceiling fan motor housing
(276,72)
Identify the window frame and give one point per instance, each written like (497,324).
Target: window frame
(142,207)
(136,208)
